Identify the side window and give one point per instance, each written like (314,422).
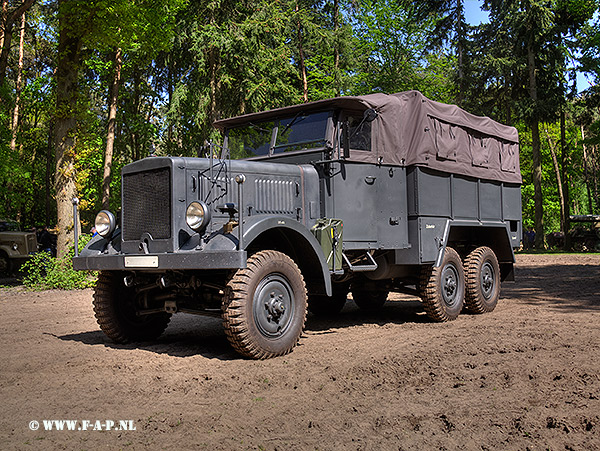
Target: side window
(359,133)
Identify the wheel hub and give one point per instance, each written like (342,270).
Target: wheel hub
(273,305)
(450,285)
(487,280)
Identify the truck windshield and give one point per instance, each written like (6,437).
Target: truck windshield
(299,132)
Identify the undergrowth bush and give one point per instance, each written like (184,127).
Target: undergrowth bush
(44,272)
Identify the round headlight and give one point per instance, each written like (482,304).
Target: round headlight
(197,216)
(105,223)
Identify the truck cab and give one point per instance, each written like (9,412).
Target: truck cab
(301,206)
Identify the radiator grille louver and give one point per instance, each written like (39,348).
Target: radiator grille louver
(147,204)
(274,196)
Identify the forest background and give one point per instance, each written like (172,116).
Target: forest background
(89,86)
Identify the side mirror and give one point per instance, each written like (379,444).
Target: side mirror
(370,115)
(345,139)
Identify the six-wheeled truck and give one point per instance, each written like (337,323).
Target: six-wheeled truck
(301,206)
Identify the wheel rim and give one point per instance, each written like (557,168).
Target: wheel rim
(487,280)
(450,285)
(3,265)
(273,306)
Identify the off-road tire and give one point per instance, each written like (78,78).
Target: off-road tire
(482,273)
(114,308)
(443,288)
(264,306)
(368,296)
(328,306)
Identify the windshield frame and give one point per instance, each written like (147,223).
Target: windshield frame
(274,148)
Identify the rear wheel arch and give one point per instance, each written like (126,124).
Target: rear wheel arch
(465,239)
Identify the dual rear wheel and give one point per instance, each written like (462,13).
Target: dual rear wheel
(474,284)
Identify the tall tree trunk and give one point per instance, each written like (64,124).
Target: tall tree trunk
(3,19)
(336,48)
(170,99)
(49,163)
(536,152)
(564,158)
(8,20)
(135,145)
(559,182)
(112,118)
(460,36)
(212,61)
(67,72)
(15,121)
(301,57)
(585,173)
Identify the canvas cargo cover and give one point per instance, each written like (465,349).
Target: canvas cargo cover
(413,130)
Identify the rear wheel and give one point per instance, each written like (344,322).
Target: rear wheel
(368,296)
(327,306)
(264,307)
(443,288)
(483,280)
(116,311)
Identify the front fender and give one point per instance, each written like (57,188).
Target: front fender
(256,226)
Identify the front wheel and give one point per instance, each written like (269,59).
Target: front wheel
(443,288)
(116,311)
(483,280)
(264,307)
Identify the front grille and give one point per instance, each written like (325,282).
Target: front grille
(147,204)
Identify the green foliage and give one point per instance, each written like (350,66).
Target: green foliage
(44,272)
(394,54)
(189,63)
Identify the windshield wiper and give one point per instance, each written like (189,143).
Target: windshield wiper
(257,127)
(287,127)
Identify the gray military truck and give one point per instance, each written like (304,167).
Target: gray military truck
(301,206)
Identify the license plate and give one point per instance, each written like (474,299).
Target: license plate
(150,261)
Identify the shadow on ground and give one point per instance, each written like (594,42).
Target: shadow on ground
(189,335)
(568,288)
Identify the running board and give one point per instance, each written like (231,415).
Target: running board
(361,268)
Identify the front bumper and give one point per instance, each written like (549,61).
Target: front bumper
(163,262)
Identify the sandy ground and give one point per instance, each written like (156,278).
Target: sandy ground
(526,376)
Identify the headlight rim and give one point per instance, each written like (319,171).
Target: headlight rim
(112,224)
(196,226)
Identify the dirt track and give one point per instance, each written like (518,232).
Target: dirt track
(526,376)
